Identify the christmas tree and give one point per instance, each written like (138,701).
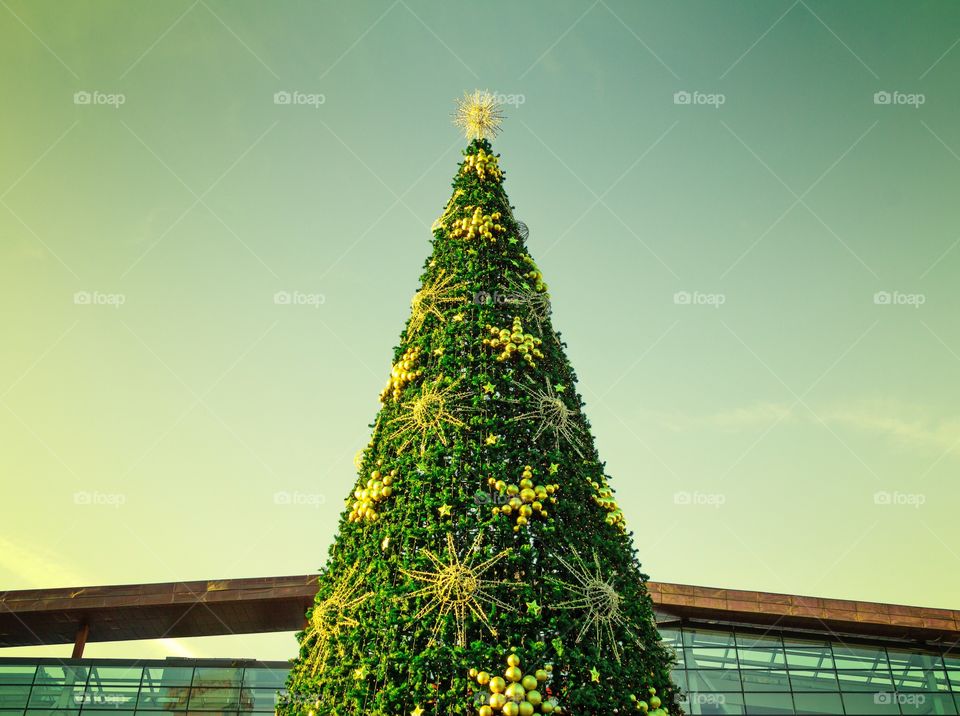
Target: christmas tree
(482,564)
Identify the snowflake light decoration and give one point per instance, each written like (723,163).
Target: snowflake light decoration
(457,586)
(597,598)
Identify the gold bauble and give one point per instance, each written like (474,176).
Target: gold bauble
(534,697)
(485,711)
(546,707)
(511,709)
(515,692)
(541,675)
(497,685)
(473,673)
(497,701)
(513,673)
(483,678)
(525,708)
(529,682)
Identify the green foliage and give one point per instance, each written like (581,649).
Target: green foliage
(375,645)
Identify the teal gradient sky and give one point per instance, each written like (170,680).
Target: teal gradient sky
(748,440)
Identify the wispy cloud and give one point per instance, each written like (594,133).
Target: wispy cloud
(910,426)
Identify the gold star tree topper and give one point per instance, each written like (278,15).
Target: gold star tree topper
(478,115)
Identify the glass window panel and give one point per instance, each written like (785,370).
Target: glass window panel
(879,703)
(168,675)
(926,704)
(211,699)
(212,676)
(265,677)
(714,680)
(859,657)
(14,696)
(762,640)
(258,699)
(761,658)
(904,660)
(56,696)
(952,661)
(708,703)
(106,712)
(108,696)
(954,678)
(17,673)
(865,680)
(756,680)
(49,674)
(679,677)
(921,680)
(814,680)
(119,675)
(804,642)
(50,712)
(671,637)
(163,698)
(768,703)
(817,703)
(706,658)
(707,637)
(809,658)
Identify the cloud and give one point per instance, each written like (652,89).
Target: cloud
(909,425)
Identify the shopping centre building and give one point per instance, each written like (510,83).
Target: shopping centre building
(738,652)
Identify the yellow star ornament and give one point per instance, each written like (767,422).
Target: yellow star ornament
(478,115)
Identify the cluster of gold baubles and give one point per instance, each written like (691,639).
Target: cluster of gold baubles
(514,343)
(478,224)
(654,704)
(534,275)
(514,693)
(378,488)
(525,500)
(483,164)
(604,498)
(402,374)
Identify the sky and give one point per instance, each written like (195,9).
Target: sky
(213,216)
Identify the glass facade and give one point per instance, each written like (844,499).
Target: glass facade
(51,687)
(729,671)
(720,670)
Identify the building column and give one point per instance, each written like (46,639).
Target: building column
(83,631)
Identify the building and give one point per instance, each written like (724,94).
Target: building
(738,652)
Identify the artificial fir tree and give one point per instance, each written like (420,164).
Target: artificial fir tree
(482,565)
